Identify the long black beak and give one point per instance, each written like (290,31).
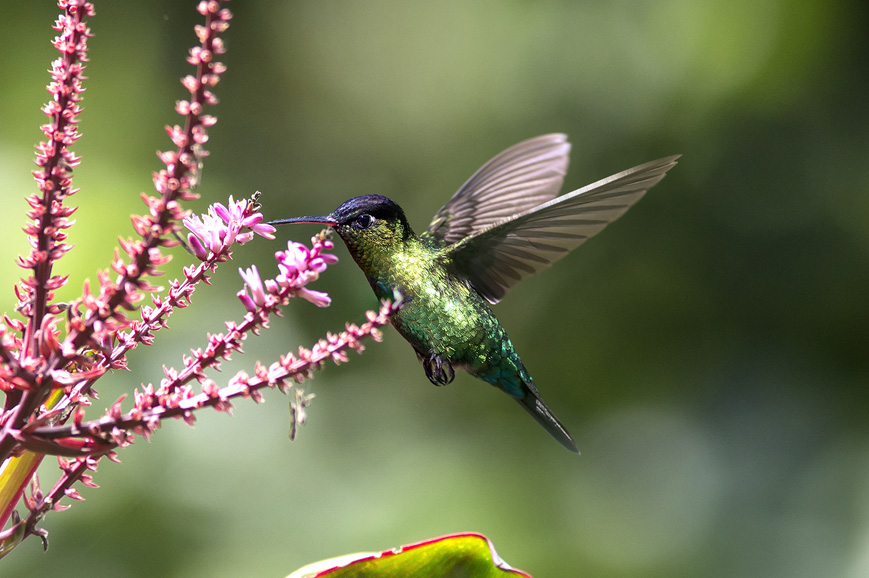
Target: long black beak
(325,220)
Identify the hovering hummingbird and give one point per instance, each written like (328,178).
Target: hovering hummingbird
(505,223)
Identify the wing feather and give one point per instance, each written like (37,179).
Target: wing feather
(495,258)
(517,180)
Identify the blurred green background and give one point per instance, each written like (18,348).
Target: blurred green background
(708,351)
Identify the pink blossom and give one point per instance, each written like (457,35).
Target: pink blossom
(297,266)
(224,225)
(318,298)
(255,283)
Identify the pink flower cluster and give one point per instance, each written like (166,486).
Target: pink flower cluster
(216,231)
(297,267)
(176,398)
(51,358)
(47,372)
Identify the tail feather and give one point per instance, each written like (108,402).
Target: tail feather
(534,405)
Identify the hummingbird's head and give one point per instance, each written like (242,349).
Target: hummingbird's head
(366,224)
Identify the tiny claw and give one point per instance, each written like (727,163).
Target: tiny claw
(438,370)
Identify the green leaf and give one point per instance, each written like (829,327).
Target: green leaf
(455,556)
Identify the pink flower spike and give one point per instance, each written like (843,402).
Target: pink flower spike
(38,361)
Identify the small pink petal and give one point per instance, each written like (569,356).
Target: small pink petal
(197,247)
(318,298)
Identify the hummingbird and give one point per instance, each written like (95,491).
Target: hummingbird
(505,223)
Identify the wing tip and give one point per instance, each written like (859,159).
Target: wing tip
(663,163)
(557,141)
(552,136)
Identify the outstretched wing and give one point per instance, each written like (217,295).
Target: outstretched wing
(520,178)
(496,258)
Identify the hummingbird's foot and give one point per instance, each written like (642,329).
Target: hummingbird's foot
(438,370)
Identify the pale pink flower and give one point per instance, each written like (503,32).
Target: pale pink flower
(224,225)
(297,266)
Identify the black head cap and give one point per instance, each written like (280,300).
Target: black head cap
(377,206)
(368,207)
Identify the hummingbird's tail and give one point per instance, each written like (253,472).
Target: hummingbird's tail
(534,405)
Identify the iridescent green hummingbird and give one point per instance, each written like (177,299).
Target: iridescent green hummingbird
(505,223)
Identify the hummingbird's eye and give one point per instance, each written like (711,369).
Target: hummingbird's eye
(364,221)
